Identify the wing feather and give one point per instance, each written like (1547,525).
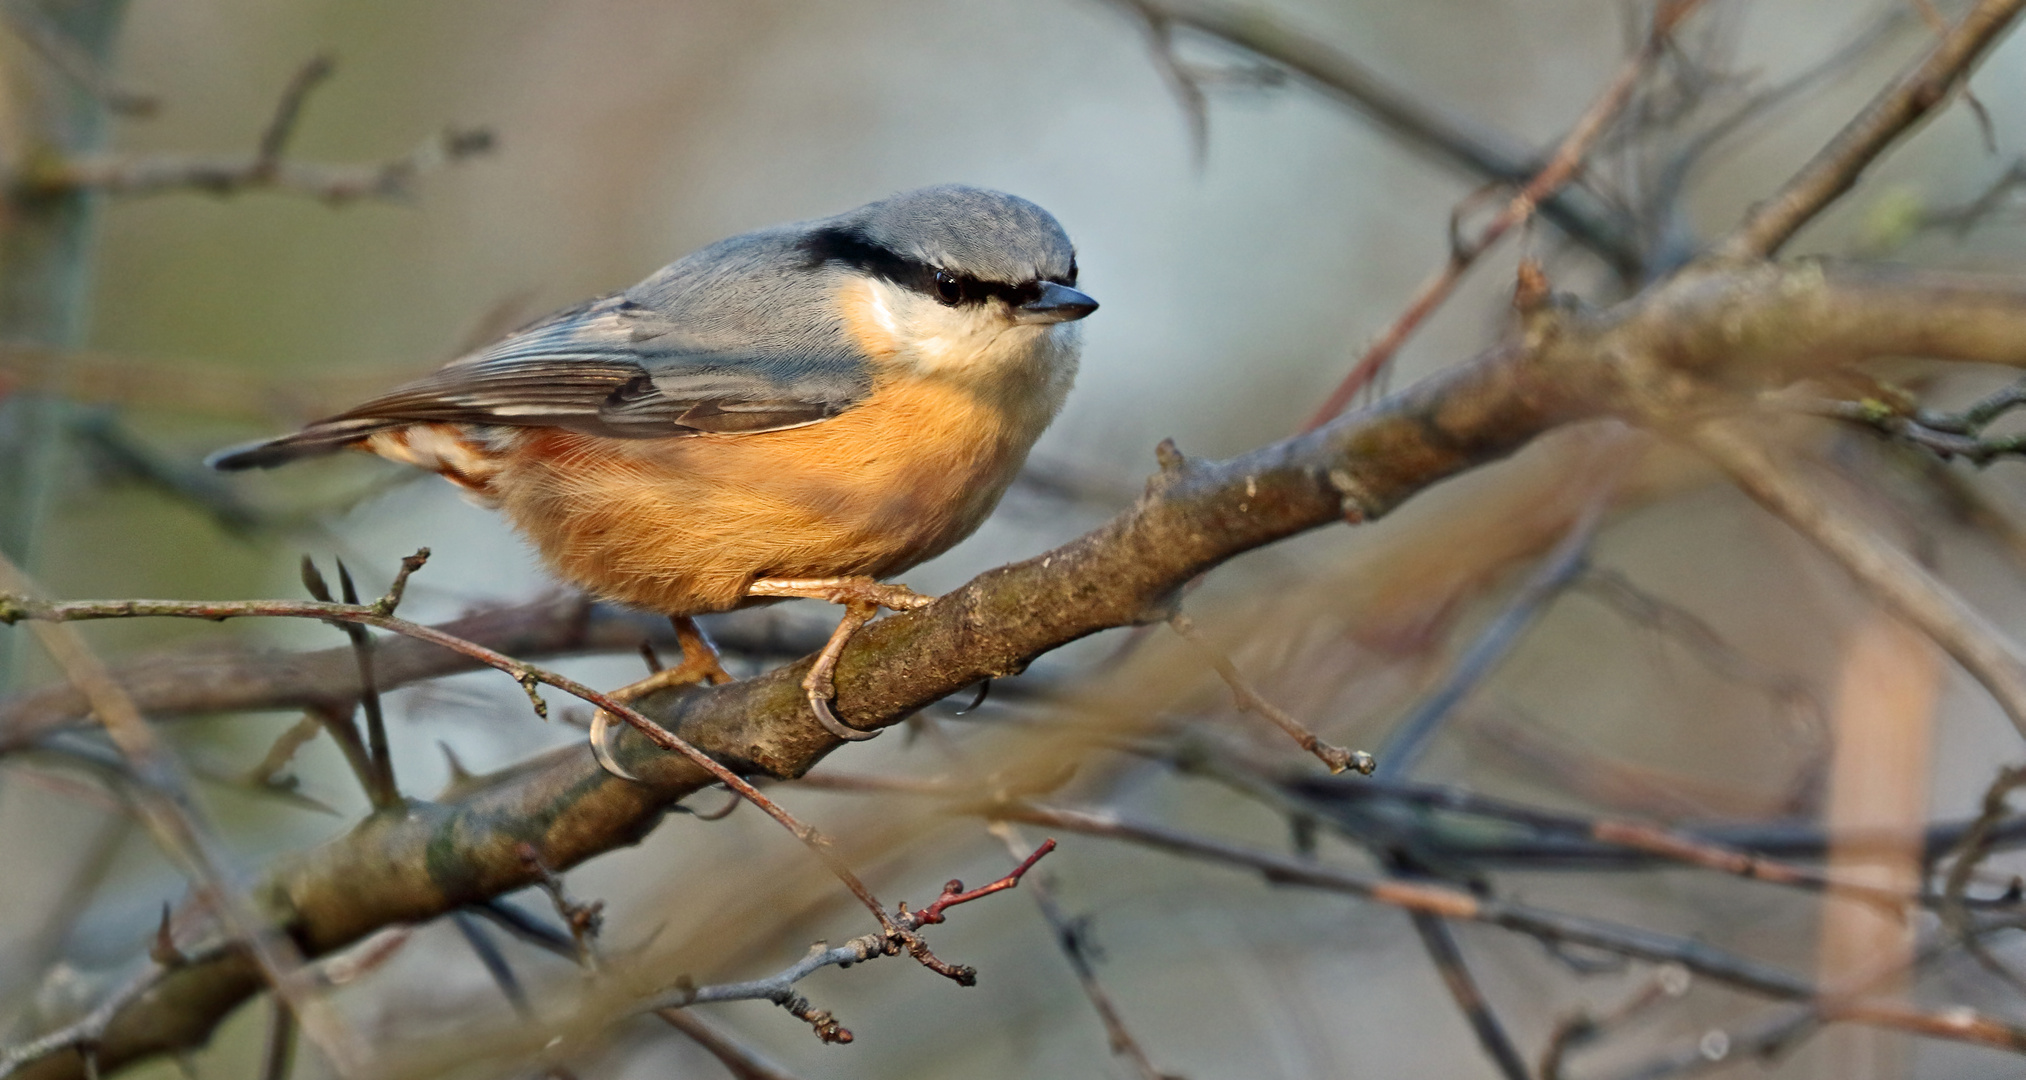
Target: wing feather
(609,367)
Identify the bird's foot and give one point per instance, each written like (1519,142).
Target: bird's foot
(862,598)
(700,665)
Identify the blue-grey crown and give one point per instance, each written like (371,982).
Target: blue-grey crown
(976,232)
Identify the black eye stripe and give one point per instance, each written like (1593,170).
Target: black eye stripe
(849,248)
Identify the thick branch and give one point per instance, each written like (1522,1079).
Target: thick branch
(211,679)
(1767,323)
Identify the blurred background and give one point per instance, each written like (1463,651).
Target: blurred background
(1239,280)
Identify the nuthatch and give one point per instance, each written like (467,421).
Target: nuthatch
(799,411)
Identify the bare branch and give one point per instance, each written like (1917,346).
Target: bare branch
(1250,700)
(266,169)
(1440,942)
(1484,154)
(1891,575)
(79,66)
(742,1061)
(162,802)
(1410,737)
(1835,169)
(1741,323)
(1561,168)
(1964,1025)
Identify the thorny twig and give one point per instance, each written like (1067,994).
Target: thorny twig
(584,920)
(84,1033)
(1250,700)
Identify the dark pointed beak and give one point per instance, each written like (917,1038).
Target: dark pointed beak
(1057,303)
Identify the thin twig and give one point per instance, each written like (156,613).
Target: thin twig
(74,63)
(1250,700)
(1411,737)
(1891,575)
(22,606)
(1440,942)
(1668,981)
(1561,168)
(1673,176)
(278,1054)
(1072,938)
(161,800)
(266,169)
(779,987)
(1836,167)
(739,1059)
(1970,853)
(1963,1024)
(1483,154)
(381,790)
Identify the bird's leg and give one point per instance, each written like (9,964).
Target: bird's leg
(700,664)
(861,598)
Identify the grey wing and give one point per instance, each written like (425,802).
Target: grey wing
(610,367)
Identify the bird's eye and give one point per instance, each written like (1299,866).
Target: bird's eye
(949,287)
(1070,280)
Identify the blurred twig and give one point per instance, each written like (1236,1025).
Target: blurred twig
(1961,1024)
(1410,738)
(1440,943)
(1482,153)
(266,169)
(742,1061)
(161,801)
(1250,700)
(1561,167)
(64,55)
(1892,576)
(1835,169)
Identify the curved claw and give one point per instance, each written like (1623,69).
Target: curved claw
(820,705)
(601,730)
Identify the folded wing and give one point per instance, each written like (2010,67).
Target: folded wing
(610,367)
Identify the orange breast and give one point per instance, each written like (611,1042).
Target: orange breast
(683,525)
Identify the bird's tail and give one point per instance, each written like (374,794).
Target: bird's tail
(322,437)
